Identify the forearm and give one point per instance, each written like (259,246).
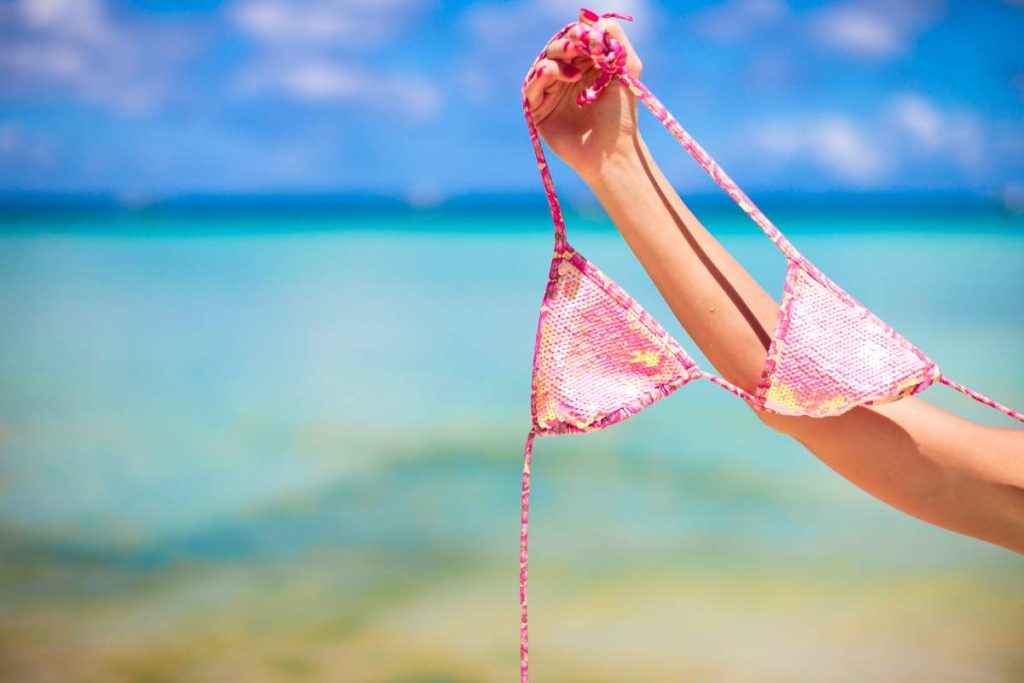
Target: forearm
(725,311)
(918,458)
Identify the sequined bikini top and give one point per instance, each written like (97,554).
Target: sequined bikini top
(600,358)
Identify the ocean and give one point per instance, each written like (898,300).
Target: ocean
(263,448)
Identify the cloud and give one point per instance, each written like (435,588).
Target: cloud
(56,46)
(327,81)
(907,132)
(875,30)
(316,54)
(831,142)
(919,118)
(737,20)
(330,23)
(957,135)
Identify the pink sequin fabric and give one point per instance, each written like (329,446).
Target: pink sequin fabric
(585,380)
(600,358)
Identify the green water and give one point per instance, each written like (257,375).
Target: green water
(280,450)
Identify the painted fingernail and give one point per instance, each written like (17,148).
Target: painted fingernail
(588,15)
(569,71)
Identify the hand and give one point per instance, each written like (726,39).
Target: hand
(584,137)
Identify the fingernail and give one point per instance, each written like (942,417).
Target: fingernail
(588,15)
(569,71)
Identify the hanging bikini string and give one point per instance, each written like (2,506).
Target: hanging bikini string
(524,556)
(612,63)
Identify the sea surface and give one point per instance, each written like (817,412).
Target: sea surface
(262,448)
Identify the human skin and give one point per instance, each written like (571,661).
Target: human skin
(927,462)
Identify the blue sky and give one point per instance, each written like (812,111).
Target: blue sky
(420,98)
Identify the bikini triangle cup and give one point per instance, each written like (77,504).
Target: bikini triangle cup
(600,358)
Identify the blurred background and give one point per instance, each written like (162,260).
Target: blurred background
(269,279)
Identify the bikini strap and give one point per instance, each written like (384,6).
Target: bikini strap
(732,389)
(542,163)
(524,537)
(705,161)
(981,398)
(612,62)
(561,242)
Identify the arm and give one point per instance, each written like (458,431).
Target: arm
(918,458)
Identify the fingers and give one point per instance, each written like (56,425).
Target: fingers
(568,57)
(564,49)
(545,75)
(592,36)
(616,32)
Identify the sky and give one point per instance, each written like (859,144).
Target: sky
(420,98)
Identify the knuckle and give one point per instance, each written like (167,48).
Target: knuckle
(614,28)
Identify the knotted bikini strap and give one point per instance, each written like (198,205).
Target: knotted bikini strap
(611,60)
(542,162)
(609,69)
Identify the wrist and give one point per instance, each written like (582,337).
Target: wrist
(621,166)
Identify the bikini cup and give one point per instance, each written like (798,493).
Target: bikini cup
(599,357)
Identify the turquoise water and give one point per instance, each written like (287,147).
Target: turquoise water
(344,402)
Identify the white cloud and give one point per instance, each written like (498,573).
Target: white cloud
(737,20)
(333,23)
(875,30)
(326,81)
(834,143)
(958,135)
(79,45)
(315,53)
(843,146)
(919,118)
(906,132)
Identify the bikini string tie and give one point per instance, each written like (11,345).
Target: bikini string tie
(611,64)
(524,556)
(983,399)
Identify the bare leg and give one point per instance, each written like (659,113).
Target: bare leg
(925,461)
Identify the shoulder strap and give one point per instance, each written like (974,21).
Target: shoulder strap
(712,168)
(542,163)
(612,62)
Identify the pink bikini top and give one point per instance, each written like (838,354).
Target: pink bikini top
(600,358)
